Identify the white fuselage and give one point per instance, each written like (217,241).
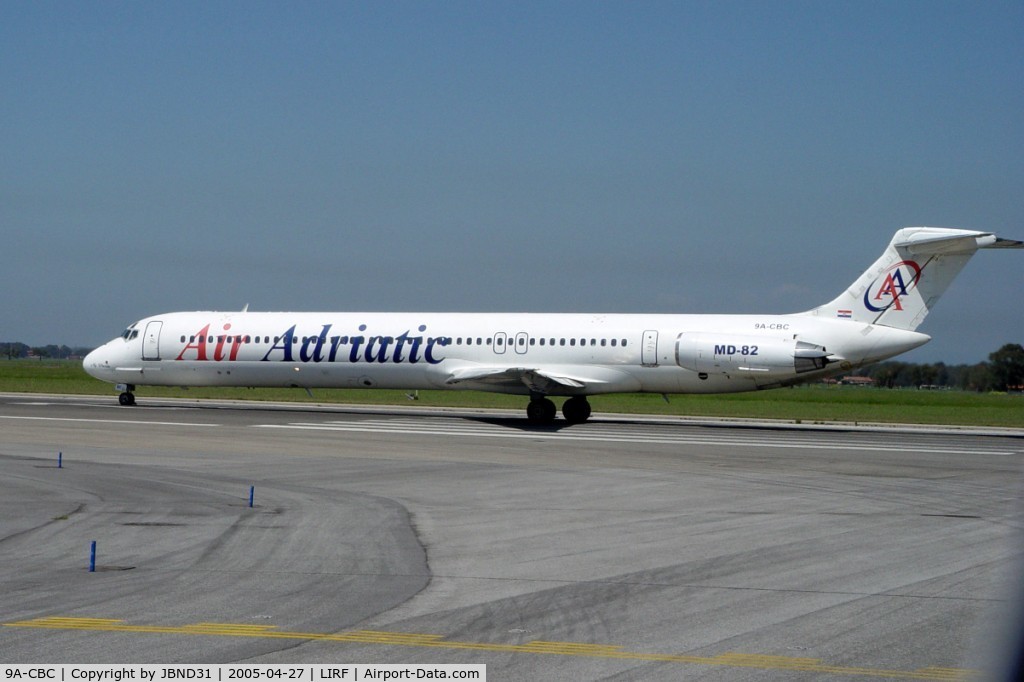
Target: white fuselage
(543,355)
(551,354)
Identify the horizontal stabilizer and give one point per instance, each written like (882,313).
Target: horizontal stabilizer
(931,245)
(926,241)
(1001,243)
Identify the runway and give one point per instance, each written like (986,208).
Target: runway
(618,549)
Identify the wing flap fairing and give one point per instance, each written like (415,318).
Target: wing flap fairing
(536,379)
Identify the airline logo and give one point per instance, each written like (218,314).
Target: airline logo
(291,346)
(889,287)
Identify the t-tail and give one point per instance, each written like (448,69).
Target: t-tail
(901,287)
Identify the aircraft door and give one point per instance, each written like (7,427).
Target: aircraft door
(522,342)
(649,349)
(499,342)
(151,341)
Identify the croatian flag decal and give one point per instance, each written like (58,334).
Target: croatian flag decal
(844,313)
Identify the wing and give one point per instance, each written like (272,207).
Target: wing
(535,379)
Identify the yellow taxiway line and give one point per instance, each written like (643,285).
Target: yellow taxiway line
(412,639)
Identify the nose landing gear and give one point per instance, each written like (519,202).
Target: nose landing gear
(127,398)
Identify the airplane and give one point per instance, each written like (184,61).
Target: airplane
(547,355)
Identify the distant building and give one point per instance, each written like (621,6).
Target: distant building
(857,381)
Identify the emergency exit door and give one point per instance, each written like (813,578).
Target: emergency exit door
(649,349)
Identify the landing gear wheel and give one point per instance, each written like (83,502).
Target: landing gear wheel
(127,399)
(576,410)
(541,411)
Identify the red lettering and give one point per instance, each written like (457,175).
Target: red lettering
(893,287)
(199,345)
(236,344)
(218,352)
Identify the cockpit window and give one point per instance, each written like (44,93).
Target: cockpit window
(130,333)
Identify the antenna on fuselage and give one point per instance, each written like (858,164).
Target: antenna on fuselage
(245,308)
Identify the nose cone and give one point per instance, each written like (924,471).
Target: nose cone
(97,363)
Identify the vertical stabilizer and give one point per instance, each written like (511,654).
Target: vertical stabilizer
(901,287)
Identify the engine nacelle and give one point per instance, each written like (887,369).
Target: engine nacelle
(724,353)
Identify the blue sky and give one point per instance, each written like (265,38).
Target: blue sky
(588,157)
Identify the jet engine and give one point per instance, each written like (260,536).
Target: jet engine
(723,353)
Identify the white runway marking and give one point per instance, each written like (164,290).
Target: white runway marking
(127,422)
(596,432)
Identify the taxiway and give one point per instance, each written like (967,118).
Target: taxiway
(616,549)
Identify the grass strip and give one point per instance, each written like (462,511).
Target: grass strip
(809,404)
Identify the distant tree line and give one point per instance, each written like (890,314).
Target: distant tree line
(1004,371)
(13,349)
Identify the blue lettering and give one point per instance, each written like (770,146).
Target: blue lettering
(400,341)
(284,344)
(306,355)
(356,341)
(335,342)
(416,341)
(428,354)
(381,355)
(372,349)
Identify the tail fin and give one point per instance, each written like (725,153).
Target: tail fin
(910,276)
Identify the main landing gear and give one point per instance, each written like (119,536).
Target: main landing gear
(541,410)
(127,398)
(576,410)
